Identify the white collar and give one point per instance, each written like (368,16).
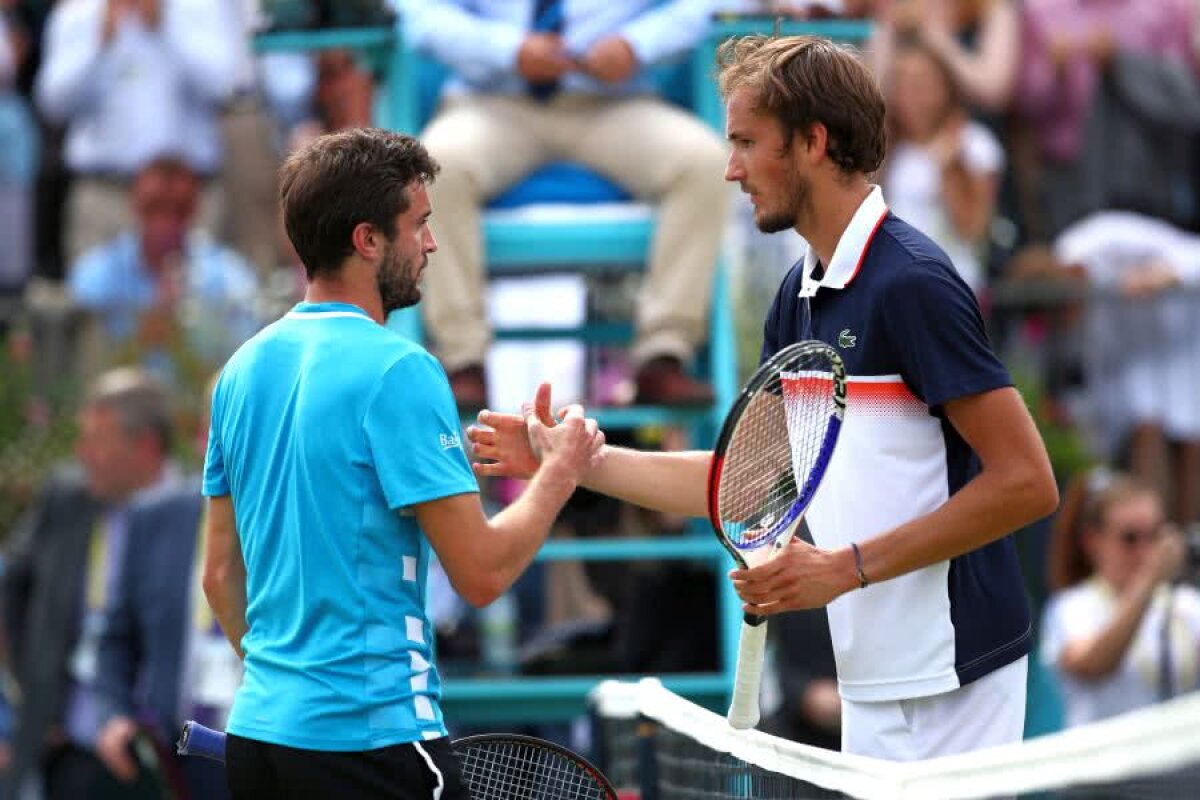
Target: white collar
(851,247)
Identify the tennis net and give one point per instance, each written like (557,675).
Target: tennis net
(656,745)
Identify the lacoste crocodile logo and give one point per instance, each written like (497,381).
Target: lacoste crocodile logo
(846,340)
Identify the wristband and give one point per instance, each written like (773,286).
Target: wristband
(858,567)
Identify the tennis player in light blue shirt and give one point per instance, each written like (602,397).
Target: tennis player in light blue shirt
(335,463)
(357,422)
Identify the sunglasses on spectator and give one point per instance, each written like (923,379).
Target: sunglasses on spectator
(1132,536)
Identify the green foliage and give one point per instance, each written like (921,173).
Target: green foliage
(37,429)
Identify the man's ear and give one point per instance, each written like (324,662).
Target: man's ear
(367,241)
(816,142)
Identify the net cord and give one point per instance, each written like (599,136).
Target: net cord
(1144,742)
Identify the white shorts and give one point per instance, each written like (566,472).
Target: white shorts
(985,713)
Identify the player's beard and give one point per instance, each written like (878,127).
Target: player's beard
(799,197)
(397,280)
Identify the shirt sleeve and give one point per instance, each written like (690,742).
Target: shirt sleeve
(414,435)
(937,335)
(981,150)
(440,27)
(215,483)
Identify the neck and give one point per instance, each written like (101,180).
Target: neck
(148,475)
(344,286)
(824,221)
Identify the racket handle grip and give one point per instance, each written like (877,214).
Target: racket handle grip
(743,711)
(197,740)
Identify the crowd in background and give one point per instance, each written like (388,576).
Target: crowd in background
(1051,147)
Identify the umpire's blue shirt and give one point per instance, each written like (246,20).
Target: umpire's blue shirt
(910,332)
(326,429)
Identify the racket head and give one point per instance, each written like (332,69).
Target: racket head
(774,448)
(507,766)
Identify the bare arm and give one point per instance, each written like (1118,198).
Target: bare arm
(673,482)
(988,75)
(224,571)
(1097,656)
(970,198)
(483,557)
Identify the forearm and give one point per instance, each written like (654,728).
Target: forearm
(226,594)
(672,482)
(969,200)
(991,506)
(1099,655)
(988,75)
(517,532)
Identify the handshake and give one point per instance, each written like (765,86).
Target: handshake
(568,445)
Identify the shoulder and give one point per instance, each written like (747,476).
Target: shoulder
(98,265)
(906,259)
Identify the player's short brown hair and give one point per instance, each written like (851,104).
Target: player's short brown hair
(803,80)
(339,180)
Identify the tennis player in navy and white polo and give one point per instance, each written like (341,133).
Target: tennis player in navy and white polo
(938,460)
(334,462)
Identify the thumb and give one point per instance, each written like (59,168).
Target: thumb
(541,405)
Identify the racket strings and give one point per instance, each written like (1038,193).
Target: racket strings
(775,450)
(520,771)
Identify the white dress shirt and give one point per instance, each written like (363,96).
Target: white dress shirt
(146,92)
(479,40)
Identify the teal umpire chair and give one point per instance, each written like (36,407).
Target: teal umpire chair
(592,235)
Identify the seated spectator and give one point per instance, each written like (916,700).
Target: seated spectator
(1069,48)
(130,79)
(529,88)
(164,292)
(1126,635)
(18,162)
(978,42)
(942,173)
(63,565)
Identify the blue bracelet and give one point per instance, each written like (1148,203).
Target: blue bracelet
(858,567)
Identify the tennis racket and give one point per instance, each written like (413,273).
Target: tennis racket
(495,766)
(773,451)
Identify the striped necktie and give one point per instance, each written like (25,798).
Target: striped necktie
(547,18)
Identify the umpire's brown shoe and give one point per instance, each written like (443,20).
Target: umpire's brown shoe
(662,381)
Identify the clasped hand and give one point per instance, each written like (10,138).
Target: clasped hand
(514,446)
(800,576)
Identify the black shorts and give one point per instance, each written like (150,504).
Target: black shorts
(260,771)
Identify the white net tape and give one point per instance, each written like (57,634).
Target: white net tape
(1151,741)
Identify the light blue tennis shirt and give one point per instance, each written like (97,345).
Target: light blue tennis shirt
(326,429)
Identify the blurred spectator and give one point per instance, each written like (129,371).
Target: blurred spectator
(943,170)
(976,40)
(133,80)
(18,159)
(796,9)
(164,292)
(1126,636)
(1141,344)
(534,83)
(64,565)
(162,657)
(1143,52)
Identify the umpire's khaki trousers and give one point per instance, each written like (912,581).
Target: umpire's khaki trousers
(658,153)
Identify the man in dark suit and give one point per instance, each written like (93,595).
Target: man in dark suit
(62,565)
(162,659)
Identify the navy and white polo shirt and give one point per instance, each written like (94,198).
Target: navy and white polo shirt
(911,335)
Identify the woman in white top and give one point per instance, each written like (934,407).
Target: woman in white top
(943,170)
(1123,636)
